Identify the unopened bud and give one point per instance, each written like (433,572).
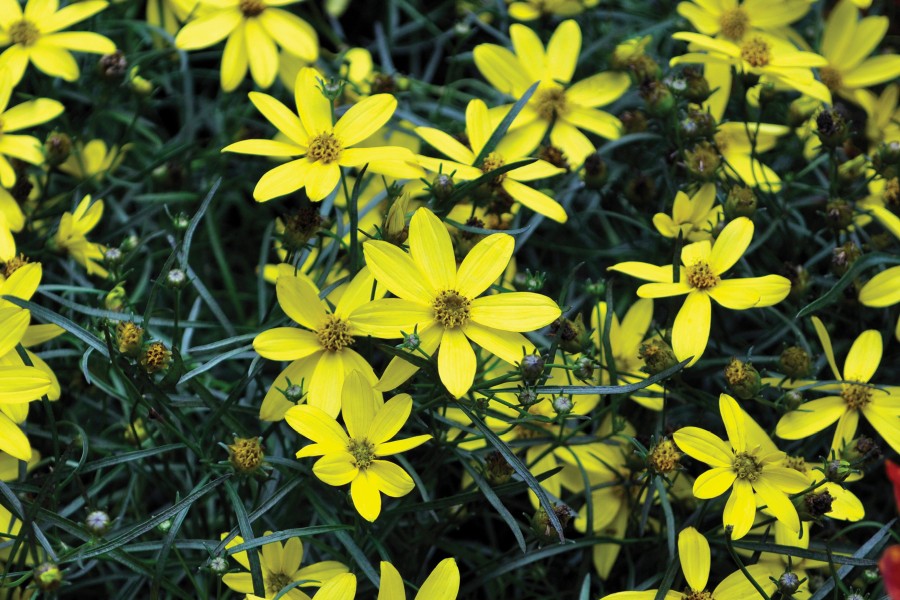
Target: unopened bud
(702,161)
(532,368)
(218,565)
(497,469)
(584,368)
(129,337)
(57,148)
(97,522)
(156,358)
(837,471)
(741,202)
(563,405)
(246,455)
(795,362)
(657,355)
(542,527)
(442,187)
(47,577)
(788,583)
(570,334)
(113,66)
(814,505)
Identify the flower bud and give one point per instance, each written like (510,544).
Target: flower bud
(886,160)
(300,226)
(394,228)
(633,121)
(129,338)
(532,368)
(113,66)
(863,449)
(697,88)
(181,221)
(156,358)
(541,526)
(697,124)
(664,457)
(741,202)
(527,397)
(657,97)
(442,187)
(113,257)
(47,577)
(570,335)
(837,471)
(742,379)
(595,288)
(563,405)
(218,565)
(116,299)
(641,191)
(584,368)
(793,399)
(814,505)
(554,155)
(97,522)
(176,279)
(832,127)
(843,257)
(788,583)
(293,393)
(57,148)
(246,455)
(839,214)
(496,468)
(702,161)
(657,355)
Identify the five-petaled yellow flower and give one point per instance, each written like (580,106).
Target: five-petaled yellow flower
(280,566)
(322,356)
(879,404)
(740,464)
(72,235)
(442,303)
(695,217)
(700,278)
(355,456)
(324,146)
(562,108)
(36,35)
(255,29)
(24,147)
(513,147)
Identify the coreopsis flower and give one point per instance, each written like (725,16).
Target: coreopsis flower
(768,56)
(356,456)
(846,43)
(529,10)
(322,145)
(442,583)
(321,355)
(93,160)
(21,384)
(441,303)
(694,555)
(72,235)
(879,404)
(883,290)
(280,566)
(513,147)
(169,14)
(625,339)
(700,278)
(556,105)
(740,143)
(695,217)
(23,147)
(742,465)
(255,29)
(36,35)
(882,114)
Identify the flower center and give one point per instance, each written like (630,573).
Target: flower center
(796,463)
(551,102)
(275,582)
(700,276)
(324,147)
(363,452)
(14,264)
(856,395)
(451,309)
(734,23)
(491,162)
(24,32)
(334,335)
(690,594)
(756,52)
(831,77)
(746,467)
(664,457)
(251,8)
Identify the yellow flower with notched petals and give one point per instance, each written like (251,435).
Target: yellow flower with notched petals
(555,105)
(255,29)
(324,146)
(695,217)
(442,303)
(72,235)
(36,35)
(742,465)
(280,566)
(694,554)
(700,278)
(513,147)
(879,404)
(881,291)
(24,147)
(442,583)
(355,456)
(320,357)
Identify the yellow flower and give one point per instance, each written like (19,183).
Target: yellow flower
(71,236)
(701,279)
(879,404)
(883,114)
(169,14)
(280,566)
(883,290)
(354,456)
(694,555)
(742,465)
(625,338)
(324,146)
(342,587)
(442,303)
(740,143)
(320,357)
(513,147)
(24,147)
(846,44)
(773,58)
(442,583)
(556,105)
(21,384)
(255,29)
(529,10)
(36,35)
(695,217)
(93,160)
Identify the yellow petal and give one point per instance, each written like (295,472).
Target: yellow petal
(390,479)
(536,200)
(714,483)
(442,584)
(291,32)
(845,431)
(366,498)
(514,311)
(484,264)
(365,118)
(207,30)
(282,180)
(391,417)
(23,283)
(12,440)
(80,41)
(529,50)
(596,121)
(31,113)
(327,382)
(810,417)
(563,50)
(235,61)
(731,244)
(281,117)
(299,372)
(644,271)
(825,340)
(299,299)
(432,250)
(704,446)
(71,14)
(262,53)
(391,317)
(446,144)
(576,146)
(864,356)
(317,425)
(690,332)
(777,503)
(501,68)
(882,290)
(399,370)
(506,345)
(733,419)
(13,324)
(22,384)
(402,445)
(397,271)
(886,423)
(693,552)
(478,125)
(664,290)
(740,509)
(456,362)
(312,106)
(875,70)
(338,588)
(286,343)
(599,90)
(391,587)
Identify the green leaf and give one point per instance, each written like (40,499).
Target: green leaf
(247,533)
(49,316)
(112,461)
(495,501)
(832,295)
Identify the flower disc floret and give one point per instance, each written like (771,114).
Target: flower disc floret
(24,32)
(832,78)
(690,594)
(324,147)
(363,452)
(334,335)
(701,276)
(756,51)
(746,467)
(451,309)
(856,396)
(551,103)
(252,8)
(734,23)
